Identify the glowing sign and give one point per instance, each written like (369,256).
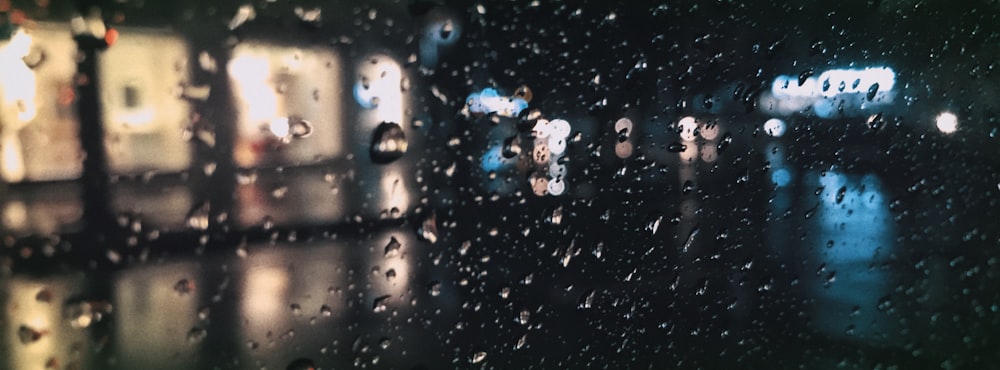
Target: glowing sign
(873,82)
(489,101)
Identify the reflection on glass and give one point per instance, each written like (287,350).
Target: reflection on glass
(855,237)
(157,310)
(835,92)
(294,197)
(144,114)
(279,91)
(38,128)
(36,334)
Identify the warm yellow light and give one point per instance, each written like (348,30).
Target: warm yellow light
(250,74)
(17,81)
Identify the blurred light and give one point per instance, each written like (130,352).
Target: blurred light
(947,122)
(15,215)
(379,88)
(17,81)
(492,160)
(438,33)
(279,127)
(709,153)
(849,81)
(556,186)
(265,288)
(243,14)
(489,101)
(250,74)
(557,145)
(136,118)
(710,131)
(624,149)
(13,169)
(774,127)
(835,91)
(687,125)
(781,177)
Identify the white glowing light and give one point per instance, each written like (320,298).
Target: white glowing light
(250,76)
(379,89)
(774,127)
(17,82)
(557,145)
(687,126)
(560,128)
(279,127)
(832,92)
(947,122)
(556,187)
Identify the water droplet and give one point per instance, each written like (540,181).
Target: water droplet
(390,275)
(676,147)
(29,335)
(388,143)
(296,309)
(196,335)
(653,222)
(841,193)
(44,295)
(724,142)
(435,288)
(872,91)
(385,342)
(587,299)
(326,311)
(805,76)
(687,187)
(523,92)
(184,286)
(521,342)
(523,317)
(301,364)
(392,248)
(197,218)
(428,229)
(690,239)
(512,146)
(477,357)
(380,304)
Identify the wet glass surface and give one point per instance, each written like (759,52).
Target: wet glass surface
(526,184)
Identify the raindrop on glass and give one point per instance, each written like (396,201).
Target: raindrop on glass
(184,286)
(428,229)
(477,357)
(392,248)
(196,335)
(388,143)
(380,304)
(29,335)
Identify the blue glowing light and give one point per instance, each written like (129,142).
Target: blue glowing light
(489,101)
(781,177)
(492,160)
